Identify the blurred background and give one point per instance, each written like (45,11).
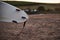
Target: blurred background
(36,8)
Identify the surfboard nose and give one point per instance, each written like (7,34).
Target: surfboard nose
(24,15)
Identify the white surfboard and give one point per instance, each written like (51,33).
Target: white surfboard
(9,13)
